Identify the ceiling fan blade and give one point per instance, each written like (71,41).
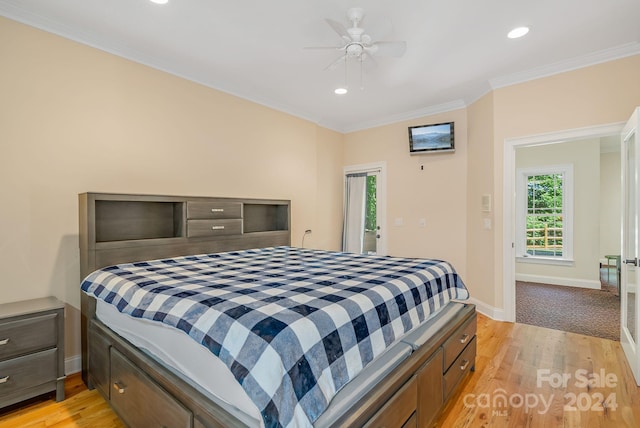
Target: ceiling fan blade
(339,28)
(395,49)
(323,48)
(335,63)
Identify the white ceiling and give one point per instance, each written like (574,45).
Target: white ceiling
(457,50)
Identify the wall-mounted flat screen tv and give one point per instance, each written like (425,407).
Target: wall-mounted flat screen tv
(436,138)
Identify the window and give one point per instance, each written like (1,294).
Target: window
(544,224)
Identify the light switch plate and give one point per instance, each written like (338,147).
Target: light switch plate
(486,203)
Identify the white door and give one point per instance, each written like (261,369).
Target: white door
(630,304)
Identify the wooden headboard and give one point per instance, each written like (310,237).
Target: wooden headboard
(124,228)
(119,228)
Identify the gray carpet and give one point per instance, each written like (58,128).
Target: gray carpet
(577,310)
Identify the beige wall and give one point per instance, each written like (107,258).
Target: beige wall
(326,225)
(584,155)
(75,119)
(606,93)
(480,181)
(437,193)
(610,204)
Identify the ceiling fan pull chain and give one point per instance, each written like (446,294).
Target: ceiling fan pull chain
(346,85)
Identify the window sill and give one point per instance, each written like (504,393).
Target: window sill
(545,260)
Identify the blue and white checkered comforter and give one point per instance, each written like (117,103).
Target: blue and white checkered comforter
(293,325)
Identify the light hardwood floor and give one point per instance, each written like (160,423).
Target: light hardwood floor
(518,382)
(548,378)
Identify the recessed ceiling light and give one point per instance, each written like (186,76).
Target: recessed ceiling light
(341,91)
(518,32)
(160,1)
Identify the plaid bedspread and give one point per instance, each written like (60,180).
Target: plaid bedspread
(293,325)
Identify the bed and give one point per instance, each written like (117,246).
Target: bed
(238,328)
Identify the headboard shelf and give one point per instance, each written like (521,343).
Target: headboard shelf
(117,228)
(265,217)
(133,220)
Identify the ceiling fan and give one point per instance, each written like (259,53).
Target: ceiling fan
(357,44)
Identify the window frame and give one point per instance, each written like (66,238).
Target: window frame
(522,174)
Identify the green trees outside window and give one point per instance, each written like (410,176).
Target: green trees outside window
(371,204)
(544,215)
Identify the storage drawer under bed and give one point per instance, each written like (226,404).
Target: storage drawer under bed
(461,366)
(139,401)
(399,410)
(458,341)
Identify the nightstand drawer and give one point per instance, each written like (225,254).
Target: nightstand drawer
(213,210)
(30,370)
(197,228)
(28,335)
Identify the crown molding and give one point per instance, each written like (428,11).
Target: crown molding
(594,58)
(45,24)
(410,115)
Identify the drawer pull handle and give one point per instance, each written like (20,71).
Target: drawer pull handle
(4,341)
(464,365)
(464,338)
(217,210)
(118,388)
(4,379)
(217,227)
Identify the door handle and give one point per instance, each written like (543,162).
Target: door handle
(631,261)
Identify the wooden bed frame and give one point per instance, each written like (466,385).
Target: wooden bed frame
(119,228)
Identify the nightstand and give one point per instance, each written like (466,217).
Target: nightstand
(31,349)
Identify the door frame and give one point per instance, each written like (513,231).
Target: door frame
(381,201)
(630,345)
(509,205)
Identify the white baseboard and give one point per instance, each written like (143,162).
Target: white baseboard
(567,282)
(73,364)
(488,310)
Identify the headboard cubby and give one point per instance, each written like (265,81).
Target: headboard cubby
(132,220)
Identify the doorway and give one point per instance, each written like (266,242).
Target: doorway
(509,207)
(559,247)
(364,218)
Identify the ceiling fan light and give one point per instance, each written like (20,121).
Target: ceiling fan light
(518,32)
(340,91)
